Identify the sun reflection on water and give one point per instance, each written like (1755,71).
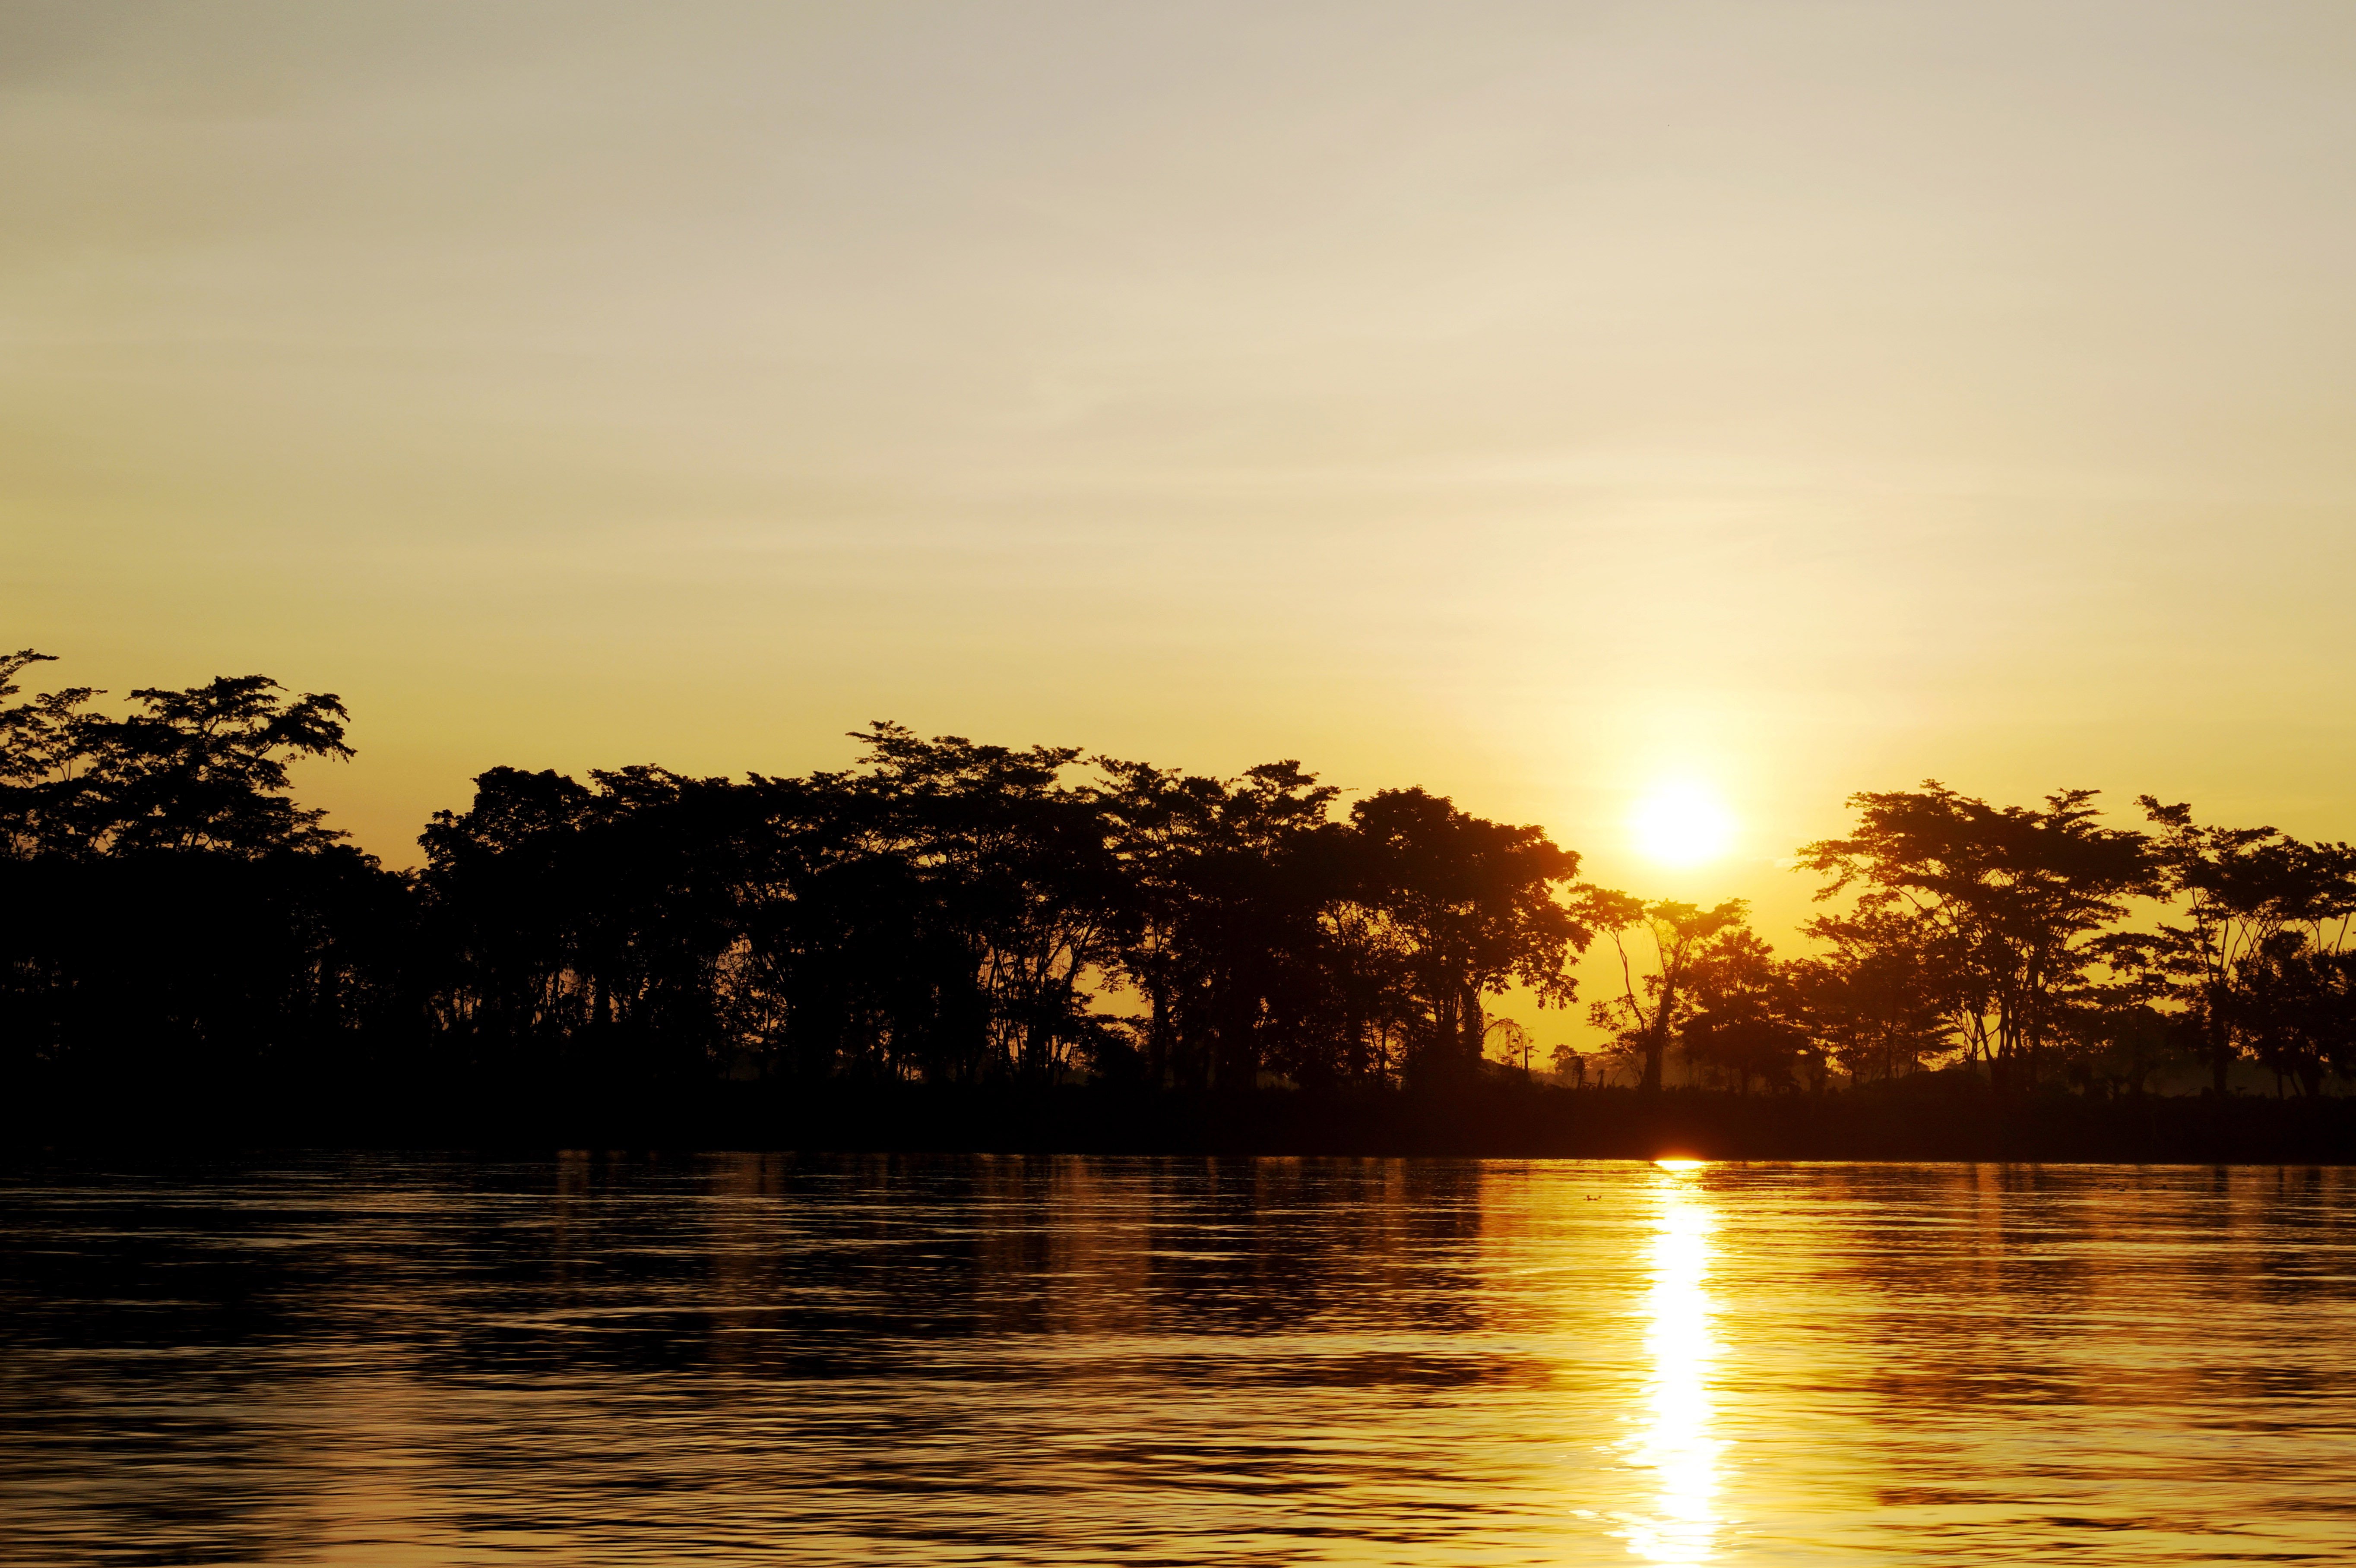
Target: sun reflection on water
(1676,1442)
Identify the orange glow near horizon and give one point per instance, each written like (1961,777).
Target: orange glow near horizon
(1510,404)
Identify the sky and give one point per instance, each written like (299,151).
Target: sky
(1545,404)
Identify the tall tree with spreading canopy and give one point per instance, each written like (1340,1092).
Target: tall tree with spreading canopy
(171,914)
(1473,906)
(2264,916)
(1747,1015)
(1878,996)
(1228,883)
(2010,898)
(1025,884)
(1648,1012)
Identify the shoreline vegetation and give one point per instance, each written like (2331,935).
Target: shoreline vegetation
(963,946)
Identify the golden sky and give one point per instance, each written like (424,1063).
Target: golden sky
(1534,402)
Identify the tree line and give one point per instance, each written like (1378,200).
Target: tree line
(948,913)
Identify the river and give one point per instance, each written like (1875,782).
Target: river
(383,1361)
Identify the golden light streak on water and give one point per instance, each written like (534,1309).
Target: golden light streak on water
(771,1360)
(1678,1443)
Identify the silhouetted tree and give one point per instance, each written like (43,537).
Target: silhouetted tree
(1879,999)
(43,753)
(1511,1043)
(1568,1062)
(505,891)
(1648,1013)
(171,917)
(2291,1001)
(2009,898)
(948,913)
(1019,868)
(1229,885)
(1472,907)
(1746,1017)
(2264,912)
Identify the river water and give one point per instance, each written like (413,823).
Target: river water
(383,1361)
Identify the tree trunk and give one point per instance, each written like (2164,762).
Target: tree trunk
(1657,1045)
(2220,1042)
(1157,1036)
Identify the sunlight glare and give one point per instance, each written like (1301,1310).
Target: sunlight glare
(1681,825)
(1676,1443)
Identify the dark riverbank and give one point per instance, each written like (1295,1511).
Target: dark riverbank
(1496,1121)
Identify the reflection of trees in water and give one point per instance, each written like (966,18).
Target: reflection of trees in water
(1289,1245)
(2021,1330)
(512,1331)
(139,1331)
(184,1468)
(1008,1357)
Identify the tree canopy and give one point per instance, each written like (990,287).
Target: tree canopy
(949,913)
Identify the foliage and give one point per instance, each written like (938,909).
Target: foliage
(2259,957)
(1747,1019)
(1877,998)
(206,768)
(169,912)
(955,912)
(1648,1015)
(2008,900)
(950,912)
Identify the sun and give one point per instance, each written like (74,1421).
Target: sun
(1681,825)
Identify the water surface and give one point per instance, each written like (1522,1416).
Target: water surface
(777,1360)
